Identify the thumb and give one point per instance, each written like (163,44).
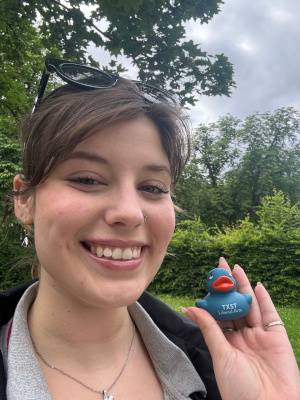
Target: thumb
(214,338)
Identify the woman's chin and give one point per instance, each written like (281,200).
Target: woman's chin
(123,299)
(117,295)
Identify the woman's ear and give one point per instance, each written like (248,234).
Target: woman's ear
(23,203)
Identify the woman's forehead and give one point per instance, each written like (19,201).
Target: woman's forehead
(135,142)
(137,135)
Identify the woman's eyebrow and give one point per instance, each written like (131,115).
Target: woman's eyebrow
(84,155)
(157,168)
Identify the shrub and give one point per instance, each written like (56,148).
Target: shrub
(269,251)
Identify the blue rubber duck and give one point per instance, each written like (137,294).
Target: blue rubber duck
(223,302)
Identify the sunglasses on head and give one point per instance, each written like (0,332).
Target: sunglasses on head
(86,77)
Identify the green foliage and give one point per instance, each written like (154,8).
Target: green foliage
(269,252)
(151,33)
(236,163)
(15,260)
(21,55)
(277,217)
(9,167)
(271,159)
(21,60)
(9,160)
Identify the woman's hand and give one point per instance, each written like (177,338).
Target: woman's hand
(253,362)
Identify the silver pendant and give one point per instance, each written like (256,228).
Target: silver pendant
(107,396)
(25,242)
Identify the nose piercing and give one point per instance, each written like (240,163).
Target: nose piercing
(145,218)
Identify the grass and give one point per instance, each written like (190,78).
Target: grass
(289,315)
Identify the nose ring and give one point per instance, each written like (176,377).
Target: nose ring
(145,218)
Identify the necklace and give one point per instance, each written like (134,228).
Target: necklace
(102,392)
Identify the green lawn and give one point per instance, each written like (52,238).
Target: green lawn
(290,316)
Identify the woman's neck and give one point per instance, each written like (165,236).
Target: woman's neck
(65,329)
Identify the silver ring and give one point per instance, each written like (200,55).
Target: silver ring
(228,329)
(274,323)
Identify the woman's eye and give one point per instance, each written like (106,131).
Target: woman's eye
(85,180)
(154,189)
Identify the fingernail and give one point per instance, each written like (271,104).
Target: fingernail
(259,284)
(183,309)
(222,259)
(237,266)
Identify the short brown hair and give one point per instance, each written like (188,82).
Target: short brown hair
(69,115)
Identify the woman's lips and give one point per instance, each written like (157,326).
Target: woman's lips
(115,265)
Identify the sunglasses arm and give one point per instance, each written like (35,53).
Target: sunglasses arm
(41,90)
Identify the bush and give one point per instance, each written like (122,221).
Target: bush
(269,251)
(15,263)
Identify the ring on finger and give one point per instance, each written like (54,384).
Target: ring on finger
(228,329)
(273,323)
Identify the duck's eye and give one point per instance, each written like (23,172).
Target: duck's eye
(210,276)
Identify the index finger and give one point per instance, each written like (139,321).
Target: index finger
(224,264)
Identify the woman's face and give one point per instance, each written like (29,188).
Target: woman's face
(104,217)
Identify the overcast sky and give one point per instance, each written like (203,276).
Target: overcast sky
(262,40)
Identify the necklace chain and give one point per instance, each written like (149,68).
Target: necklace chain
(103,392)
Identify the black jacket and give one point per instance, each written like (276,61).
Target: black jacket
(178,329)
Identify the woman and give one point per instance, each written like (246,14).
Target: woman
(98,169)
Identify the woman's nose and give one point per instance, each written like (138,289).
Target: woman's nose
(125,209)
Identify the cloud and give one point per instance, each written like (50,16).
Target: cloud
(261,39)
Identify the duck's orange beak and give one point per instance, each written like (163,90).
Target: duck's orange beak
(223,284)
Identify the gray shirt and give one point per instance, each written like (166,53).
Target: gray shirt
(25,380)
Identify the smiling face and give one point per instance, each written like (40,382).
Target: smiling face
(104,217)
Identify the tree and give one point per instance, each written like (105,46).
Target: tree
(21,60)
(271,159)
(151,33)
(215,147)
(202,188)
(236,163)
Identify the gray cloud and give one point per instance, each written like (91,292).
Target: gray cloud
(262,40)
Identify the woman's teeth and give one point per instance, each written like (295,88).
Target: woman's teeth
(116,253)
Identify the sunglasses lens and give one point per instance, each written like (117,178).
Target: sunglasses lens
(154,94)
(87,76)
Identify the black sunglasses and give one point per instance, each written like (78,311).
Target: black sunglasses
(87,77)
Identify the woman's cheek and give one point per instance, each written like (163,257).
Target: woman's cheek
(165,223)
